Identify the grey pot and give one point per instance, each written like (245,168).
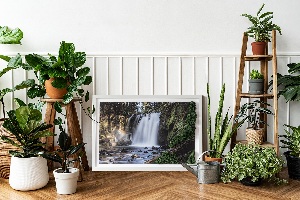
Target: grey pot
(256,86)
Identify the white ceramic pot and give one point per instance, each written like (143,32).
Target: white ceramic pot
(66,183)
(28,173)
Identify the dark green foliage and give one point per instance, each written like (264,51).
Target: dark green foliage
(67,70)
(167,158)
(188,128)
(252,161)
(25,124)
(66,149)
(292,140)
(261,25)
(252,111)
(255,74)
(289,84)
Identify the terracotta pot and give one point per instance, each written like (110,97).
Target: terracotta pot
(52,92)
(259,48)
(209,159)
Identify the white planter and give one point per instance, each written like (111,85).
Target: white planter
(28,173)
(66,183)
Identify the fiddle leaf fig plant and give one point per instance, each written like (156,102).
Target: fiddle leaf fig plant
(67,70)
(25,124)
(262,25)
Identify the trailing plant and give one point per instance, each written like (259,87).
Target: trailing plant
(67,70)
(261,25)
(292,140)
(289,84)
(66,149)
(8,36)
(25,124)
(223,127)
(252,111)
(255,74)
(251,161)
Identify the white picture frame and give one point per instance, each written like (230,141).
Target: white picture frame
(98,99)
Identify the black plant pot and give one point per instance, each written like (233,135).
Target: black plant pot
(293,164)
(248,182)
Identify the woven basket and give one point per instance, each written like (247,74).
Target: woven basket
(255,136)
(4,152)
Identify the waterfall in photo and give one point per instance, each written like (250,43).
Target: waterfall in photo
(146,131)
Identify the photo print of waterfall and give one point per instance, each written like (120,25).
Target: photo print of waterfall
(147,132)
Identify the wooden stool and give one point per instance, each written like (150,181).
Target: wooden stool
(73,127)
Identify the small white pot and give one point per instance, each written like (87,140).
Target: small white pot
(28,173)
(66,183)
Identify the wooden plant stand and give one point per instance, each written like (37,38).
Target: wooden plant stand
(73,128)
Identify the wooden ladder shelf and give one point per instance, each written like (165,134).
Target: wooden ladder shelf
(263,59)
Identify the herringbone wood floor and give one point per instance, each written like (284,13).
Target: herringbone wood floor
(154,185)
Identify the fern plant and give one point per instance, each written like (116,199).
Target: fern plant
(261,25)
(224,127)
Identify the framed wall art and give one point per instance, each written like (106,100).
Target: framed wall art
(146,133)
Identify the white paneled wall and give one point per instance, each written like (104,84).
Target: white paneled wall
(165,75)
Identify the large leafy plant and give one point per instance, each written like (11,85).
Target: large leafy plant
(292,140)
(8,36)
(250,161)
(65,151)
(224,127)
(25,124)
(252,112)
(289,85)
(67,69)
(261,25)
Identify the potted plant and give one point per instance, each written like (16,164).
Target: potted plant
(28,170)
(65,177)
(260,30)
(8,36)
(256,82)
(60,77)
(250,164)
(252,113)
(292,141)
(223,129)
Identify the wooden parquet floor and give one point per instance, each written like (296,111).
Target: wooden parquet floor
(154,185)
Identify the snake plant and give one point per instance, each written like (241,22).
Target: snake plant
(224,127)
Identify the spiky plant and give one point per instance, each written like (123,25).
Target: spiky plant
(223,127)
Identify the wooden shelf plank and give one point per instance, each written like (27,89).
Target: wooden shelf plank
(258,57)
(247,95)
(265,144)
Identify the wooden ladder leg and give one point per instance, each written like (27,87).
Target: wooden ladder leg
(49,119)
(240,86)
(75,131)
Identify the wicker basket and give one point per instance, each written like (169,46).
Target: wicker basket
(255,136)
(4,152)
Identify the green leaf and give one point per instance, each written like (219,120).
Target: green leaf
(88,80)
(36,91)
(74,149)
(64,141)
(15,62)
(83,72)
(19,102)
(22,115)
(6,58)
(25,84)
(58,107)
(59,83)
(87,96)
(57,121)
(8,36)
(67,98)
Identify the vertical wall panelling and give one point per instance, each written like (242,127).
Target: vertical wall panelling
(165,75)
